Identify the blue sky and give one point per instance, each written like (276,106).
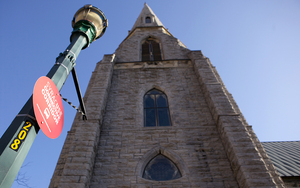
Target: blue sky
(253,44)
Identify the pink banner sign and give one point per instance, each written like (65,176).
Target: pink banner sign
(48,107)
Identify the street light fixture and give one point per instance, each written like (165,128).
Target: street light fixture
(89,23)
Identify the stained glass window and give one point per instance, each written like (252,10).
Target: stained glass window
(156,109)
(151,50)
(160,168)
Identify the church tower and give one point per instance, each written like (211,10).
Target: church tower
(159,115)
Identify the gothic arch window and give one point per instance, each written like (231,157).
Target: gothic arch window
(147,19)
(151,50)
(160,168)
(156,109)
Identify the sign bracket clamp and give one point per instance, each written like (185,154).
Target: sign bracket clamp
(82,106)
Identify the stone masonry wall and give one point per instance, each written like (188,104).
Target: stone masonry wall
(171,48)
(75,164)
(192,142)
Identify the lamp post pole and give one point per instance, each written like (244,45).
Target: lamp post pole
(89,24)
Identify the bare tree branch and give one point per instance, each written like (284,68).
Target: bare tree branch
(22,179)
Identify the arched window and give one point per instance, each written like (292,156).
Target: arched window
(160,168)
(151,50)
(147,19)
(156,109)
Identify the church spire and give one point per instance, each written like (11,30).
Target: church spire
(147,18)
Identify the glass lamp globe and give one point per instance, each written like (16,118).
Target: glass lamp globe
(94,16)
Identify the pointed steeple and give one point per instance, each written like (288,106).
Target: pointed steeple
(147,18)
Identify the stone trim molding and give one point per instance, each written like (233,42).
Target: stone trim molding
(154,64)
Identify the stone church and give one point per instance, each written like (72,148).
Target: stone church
(159,115)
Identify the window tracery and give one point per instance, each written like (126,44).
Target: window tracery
(151,50)
(160,168)
(156,109)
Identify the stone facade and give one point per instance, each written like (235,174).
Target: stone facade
(209,140)
(192,140)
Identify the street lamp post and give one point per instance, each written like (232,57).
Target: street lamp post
(89,23)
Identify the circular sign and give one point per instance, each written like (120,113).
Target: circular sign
(48,108)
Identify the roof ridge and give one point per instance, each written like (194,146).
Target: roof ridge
(279,141)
